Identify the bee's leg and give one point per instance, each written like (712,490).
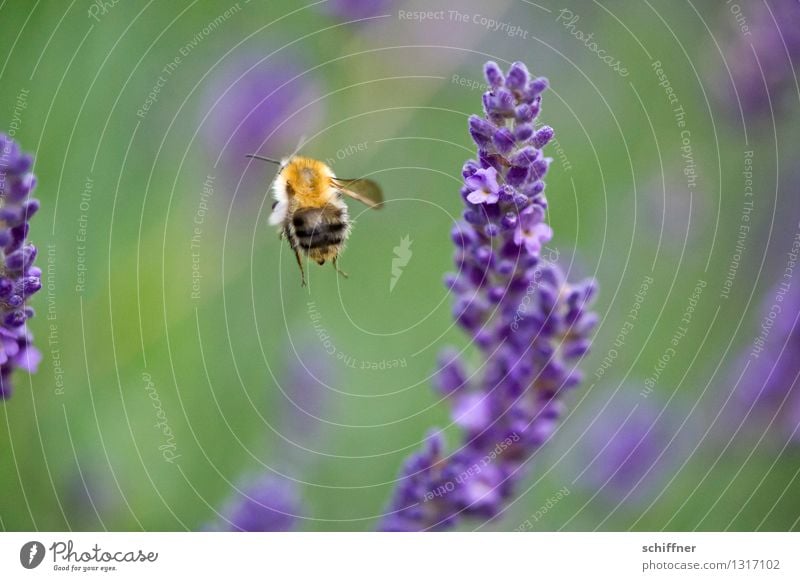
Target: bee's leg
(336,266)
(300,264)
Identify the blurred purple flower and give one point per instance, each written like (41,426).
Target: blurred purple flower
(257,107)
(265,504)
(19,278)
(347,10)
(771,48)
(622,446)
(769,389)
(530,325)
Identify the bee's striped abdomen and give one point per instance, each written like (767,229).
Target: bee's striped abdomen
(319,232)
(319,236)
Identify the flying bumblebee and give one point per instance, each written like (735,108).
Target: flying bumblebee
(310,209)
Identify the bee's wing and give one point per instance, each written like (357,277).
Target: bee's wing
(361,189)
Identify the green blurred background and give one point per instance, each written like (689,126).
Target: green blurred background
(219,355)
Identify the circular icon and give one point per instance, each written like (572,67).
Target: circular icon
(31,554)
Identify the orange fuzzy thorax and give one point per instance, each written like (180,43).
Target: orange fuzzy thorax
(309,182)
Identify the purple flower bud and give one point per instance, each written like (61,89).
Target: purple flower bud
(543,136)
(525,157)
(493,74)
(481,131)
(524,113)
(509,220)
(14,319)
(11,215)
(21,259)
(483,339)
(451,375)
(468,313)
(507,192)
(538,86)
(474,217)
(469,169)
(490,160)
(461,236)
(27,286)
(577,349)
(25,185)
(517,175)
(496,294)
(518,77)
(29,208)
(23,165)
(499,103)
(536,106)
(523,132)
(539,167)
(18,235)
(505,267)
(491,230)
(534,189)
(484,256)
(521,201)
(504,140)
(472,412)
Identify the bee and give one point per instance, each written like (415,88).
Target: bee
(310,211)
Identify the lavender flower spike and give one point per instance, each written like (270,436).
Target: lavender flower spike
(19,279)
(529,325)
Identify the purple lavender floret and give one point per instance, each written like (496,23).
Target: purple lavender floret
(265,504)
(19,278)
(530,325)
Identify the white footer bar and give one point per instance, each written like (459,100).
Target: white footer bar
(406,557)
